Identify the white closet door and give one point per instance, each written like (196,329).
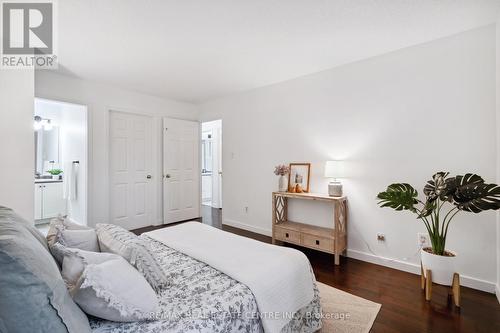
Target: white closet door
(130,170)
(181,170)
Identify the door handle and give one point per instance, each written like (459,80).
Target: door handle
(149,177)
(167,176)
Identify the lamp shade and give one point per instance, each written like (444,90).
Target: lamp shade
(334,169)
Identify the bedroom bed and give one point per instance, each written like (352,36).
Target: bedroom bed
(212,281)
(202,299)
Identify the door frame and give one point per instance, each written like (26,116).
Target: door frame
(216,174)
(88,148)
(154,159)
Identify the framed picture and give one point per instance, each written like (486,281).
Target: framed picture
(298,178)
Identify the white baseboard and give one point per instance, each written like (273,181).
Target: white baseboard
(248,227)
(387,262)
(466,281)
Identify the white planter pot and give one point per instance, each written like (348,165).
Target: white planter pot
(55,177)
(283,184)
(441,267)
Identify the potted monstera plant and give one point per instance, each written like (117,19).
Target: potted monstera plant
(445,197)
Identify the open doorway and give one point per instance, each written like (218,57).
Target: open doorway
(61,158)
(211,164)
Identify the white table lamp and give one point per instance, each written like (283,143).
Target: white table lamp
(334,169)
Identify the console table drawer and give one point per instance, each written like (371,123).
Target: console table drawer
(316,242)
(331,240)
(287,235)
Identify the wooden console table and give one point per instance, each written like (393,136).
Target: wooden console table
(331,240)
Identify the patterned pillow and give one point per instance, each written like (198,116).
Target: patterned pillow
(115,239)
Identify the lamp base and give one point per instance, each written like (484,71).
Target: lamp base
(335,189)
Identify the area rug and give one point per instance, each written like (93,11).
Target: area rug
(346,313)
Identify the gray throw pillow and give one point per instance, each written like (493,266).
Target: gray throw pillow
(7,214)
(33,295)
(106,286)
(115,239)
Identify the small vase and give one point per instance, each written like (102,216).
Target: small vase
(283,184)
(55,177)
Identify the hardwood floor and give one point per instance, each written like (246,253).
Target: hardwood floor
(404,308)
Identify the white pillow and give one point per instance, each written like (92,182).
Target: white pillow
(61,222)
(106,286)
(80,239)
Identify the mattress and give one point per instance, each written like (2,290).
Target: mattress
(199,298)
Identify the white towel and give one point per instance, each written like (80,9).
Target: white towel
(72,181)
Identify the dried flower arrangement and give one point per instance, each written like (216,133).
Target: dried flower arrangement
(281,170)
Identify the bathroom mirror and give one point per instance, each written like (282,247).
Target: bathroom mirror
(47,150)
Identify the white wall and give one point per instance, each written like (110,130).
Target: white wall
(17,167)
(100,99)
(397,117)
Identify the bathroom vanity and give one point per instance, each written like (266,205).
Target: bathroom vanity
(49,199)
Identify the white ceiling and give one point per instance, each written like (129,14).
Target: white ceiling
(195,50)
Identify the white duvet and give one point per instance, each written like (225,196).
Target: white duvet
(280,278)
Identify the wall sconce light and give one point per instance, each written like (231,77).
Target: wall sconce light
(47,125)
(40,123)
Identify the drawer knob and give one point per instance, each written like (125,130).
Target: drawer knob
(286,235)
(317,242)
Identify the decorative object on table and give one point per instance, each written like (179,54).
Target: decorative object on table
(467,193)
(335,170)
(298,178)
(56,173)
(282,170)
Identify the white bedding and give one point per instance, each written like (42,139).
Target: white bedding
(280,278)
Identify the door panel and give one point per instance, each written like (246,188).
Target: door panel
(53,201)
(181,182)
(130,165)
(38,201)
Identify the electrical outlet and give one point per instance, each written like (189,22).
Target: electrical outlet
(423,239)
(380,237)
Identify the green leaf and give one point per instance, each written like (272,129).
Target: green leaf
(477,197)
(439,187)
(429,207)
(399,196)
(55,172)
